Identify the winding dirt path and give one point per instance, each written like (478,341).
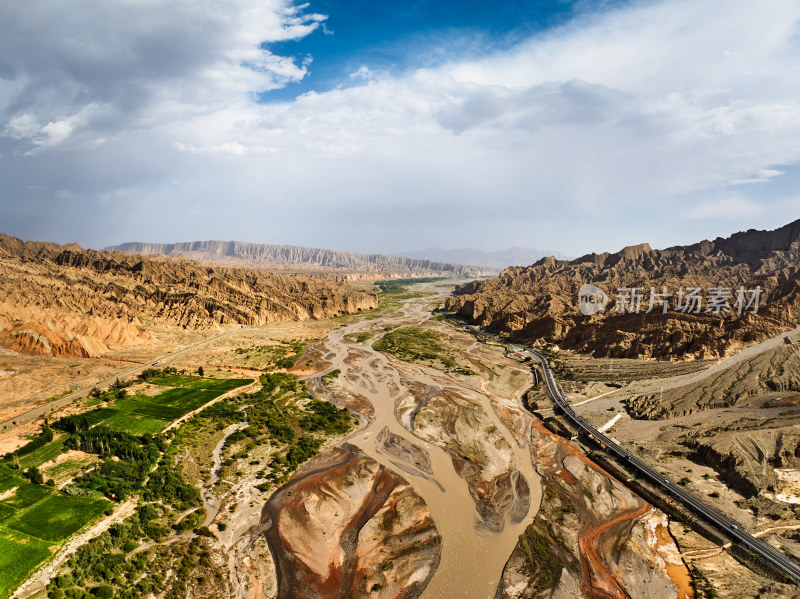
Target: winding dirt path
(210,500)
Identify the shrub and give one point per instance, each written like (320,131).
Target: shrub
(103,591)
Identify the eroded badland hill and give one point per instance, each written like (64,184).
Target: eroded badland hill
(540,302)
(66,301)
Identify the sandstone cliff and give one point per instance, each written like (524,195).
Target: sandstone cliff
(303,258)
(63,300)
(540,302)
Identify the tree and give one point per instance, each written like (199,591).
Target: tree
(34,475)
(103,591)
(200,371)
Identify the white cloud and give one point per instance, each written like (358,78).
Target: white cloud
(637,120)
(363,72)
(729,208)
(761,176)
(150,63)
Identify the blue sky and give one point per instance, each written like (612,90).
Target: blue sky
(575,127)
(393,37)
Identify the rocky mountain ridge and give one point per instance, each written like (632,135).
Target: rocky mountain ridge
(64,300)
(499,259)
(263,255)
(540,302)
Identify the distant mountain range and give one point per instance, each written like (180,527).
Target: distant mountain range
(290,257)
(513,256)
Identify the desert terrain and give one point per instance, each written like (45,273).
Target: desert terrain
(454,478)
(444,477)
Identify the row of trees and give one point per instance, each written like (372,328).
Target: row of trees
(42,439)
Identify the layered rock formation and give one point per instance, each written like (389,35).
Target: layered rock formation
(480,453)
(303,258)
(345,526)
(592,537)
(777,370)
(540,302)
(63,300)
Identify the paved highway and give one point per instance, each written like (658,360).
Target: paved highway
(731,528)
(68,399)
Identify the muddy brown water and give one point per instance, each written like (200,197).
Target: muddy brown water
(473,556)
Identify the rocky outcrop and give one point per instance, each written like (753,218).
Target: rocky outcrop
(592,537)
(480,453)
(746,454)
(263,255)
(63,300)
(776,370)
(540,302)
(345,526)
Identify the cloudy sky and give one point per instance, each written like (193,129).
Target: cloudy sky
(376,126)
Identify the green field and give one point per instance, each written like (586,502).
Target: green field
(131,422)
(57,517)
(6,511)
(26,495)
(44,454)
(196,382)
(67,469)
(19,554)
(139,414)
(9,479)
(33,519)
(169,405)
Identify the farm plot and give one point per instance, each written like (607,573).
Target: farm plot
(6,511)
(26,495)
(44,454)
(9,479)
(70,467)
(139,414)
(196,382)
(32,520)
(133,422)
(19,555)
(57,517)
(169,405)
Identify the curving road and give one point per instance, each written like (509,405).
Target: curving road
(731,528)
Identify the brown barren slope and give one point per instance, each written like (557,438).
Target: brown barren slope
(63,300)
(540,302)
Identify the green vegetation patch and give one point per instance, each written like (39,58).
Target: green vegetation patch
(62,472)
(392,292)
(169,405)
(140,414)
(6,511)
(57,517)
(283,354)
(19,555)
(197,382)
(132,422)
(108,567)
(414,344)
(9,479)
(360,337)
(26,495)
(544,564)
(43,454)
(284,415)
